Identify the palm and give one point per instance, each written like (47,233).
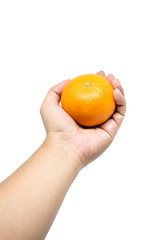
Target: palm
(86,140)
(91,142)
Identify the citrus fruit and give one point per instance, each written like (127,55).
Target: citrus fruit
(88,99)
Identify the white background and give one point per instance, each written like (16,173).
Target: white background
(44,42)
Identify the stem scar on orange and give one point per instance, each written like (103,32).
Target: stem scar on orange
(88,99)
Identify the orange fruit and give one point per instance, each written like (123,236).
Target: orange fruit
(88,99)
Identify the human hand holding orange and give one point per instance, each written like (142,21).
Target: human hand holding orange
(86,143)
(35,191)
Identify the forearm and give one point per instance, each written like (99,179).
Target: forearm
(32,195)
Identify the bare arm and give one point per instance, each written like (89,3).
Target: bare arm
(31,196)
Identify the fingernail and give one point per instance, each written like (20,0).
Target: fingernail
(117,80)
(110,77)
(117,89)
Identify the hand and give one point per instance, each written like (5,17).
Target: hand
(86,143)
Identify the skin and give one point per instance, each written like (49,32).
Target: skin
(31,196)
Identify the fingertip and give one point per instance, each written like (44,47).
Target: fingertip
(118,96)
(102,73)
(117,91)
(117,85)
(54,93)
(59,87)
(110,77)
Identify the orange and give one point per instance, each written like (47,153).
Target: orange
(88,99)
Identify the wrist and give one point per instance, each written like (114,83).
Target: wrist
(57,143)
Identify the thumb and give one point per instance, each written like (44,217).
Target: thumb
(50,106)
(54,93)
